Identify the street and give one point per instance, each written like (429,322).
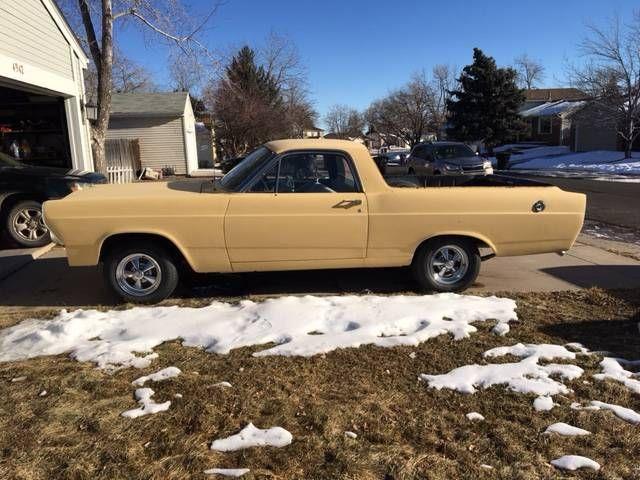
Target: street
(616,203)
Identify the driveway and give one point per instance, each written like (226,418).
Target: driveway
(48,281)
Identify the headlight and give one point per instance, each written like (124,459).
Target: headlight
(77,186)
(451,166)
(487,167)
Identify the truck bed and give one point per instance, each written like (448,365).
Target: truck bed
(431,181)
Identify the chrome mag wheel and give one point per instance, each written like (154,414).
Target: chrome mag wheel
(448,265)
(28,224)
(138,274)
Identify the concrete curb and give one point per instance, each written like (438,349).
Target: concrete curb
(16,263)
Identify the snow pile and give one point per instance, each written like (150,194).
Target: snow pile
(575,462)
(566,429)
(227,472)
(302,326)
(250,436)
(160,375)
(612,368)
(543,351)
(526,376)
(543,404)
(147,405)
(473,416)
(605,161)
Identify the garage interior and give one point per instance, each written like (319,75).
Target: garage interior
(33,128)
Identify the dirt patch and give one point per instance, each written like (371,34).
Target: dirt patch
(405,430)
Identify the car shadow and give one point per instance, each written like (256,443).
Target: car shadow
(604,276)
(617,337)
(51,282)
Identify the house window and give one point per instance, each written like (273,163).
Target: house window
(544,125)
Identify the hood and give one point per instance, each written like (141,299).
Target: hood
(464,161)
(59,173)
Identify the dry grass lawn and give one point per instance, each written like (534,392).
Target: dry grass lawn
(405,430)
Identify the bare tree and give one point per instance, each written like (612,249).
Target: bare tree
(186,71)
(530,71)
(611,75)
(443,82)
(165,19)
(281,60)
(408,113)
(344,121)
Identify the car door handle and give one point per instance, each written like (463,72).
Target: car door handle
(348,203)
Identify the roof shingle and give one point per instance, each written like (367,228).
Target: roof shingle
(554,94)
(148,104)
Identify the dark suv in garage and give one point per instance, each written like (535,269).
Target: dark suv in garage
(23,189)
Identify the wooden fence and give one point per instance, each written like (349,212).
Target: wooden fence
(123,160)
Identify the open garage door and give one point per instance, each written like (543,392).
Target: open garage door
(33,128)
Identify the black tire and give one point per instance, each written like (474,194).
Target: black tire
(24,224)
(164,261)
(429,252)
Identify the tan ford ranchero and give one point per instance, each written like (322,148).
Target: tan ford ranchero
(309,204)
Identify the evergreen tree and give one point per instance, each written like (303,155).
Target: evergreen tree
(485,105)
(248,106)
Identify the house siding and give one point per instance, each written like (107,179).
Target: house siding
(161,140)
(29,34)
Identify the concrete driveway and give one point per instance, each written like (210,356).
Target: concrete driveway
(48,281)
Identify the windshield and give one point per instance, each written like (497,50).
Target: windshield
(444,152)
(247,167)
(7,161)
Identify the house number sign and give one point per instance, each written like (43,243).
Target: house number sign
(18,68)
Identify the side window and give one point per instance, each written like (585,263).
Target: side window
(267,182)
(316,173)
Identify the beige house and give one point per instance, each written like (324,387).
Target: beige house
(42,117)
(164,125)
(312,132)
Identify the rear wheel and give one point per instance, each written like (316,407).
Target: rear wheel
(141,274)
(446,264)
(25,225)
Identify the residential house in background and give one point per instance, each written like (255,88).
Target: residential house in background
(164,126)
(376,142)
(312,132)
(548,112)
(42,96)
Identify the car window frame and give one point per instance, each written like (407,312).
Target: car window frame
(277,160)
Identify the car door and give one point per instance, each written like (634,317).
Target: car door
(306,206)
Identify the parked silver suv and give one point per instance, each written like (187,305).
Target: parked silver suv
(446,158)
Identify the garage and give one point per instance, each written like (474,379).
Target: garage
(42,93)
(33,128)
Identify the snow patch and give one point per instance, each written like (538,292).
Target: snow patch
(612,369)
(223,384)
(543,351)
(473,416)
(250,436)
(159,376)
(501,329)
(543,404)
(117,338)
(227,472)
(566,429)
(624,413)
(526,376)
(575,462)
(350,434)
(147,405)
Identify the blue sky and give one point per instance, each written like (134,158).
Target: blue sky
(356,51)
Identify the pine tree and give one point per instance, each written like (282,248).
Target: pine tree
(485,106)
(248,106)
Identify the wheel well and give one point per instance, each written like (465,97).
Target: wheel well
(10,200)
(121,239)
(476,241)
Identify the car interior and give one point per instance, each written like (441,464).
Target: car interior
(308,173)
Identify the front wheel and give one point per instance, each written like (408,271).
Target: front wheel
(446,264)
(145,274)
